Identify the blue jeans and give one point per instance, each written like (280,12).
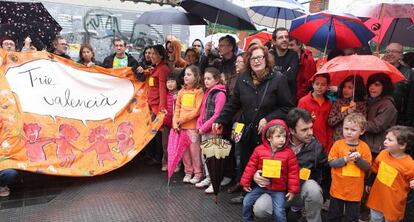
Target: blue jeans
(7,177)
(278,202)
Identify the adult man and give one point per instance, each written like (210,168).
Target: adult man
(394,54)
(312,160)
(286,60)
(122,59)
(227,49)
(60,47)
(307,67)
(8,44)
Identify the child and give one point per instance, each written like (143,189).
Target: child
(171,99)
(319,106)
(213,101)
(351,98)
(274,151)
(187,110)
(393,171)
(349,158)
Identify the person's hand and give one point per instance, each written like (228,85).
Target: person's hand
(346,159)
(90,64)
(289,196)
(260,181)
(200,132)
(367,189)
(217,128)
(354,156)
(412,184)
(247,189)
(333,88)
(352,107)
(262,123)
(140,69)
(208,47)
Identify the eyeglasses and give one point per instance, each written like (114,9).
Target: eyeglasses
(257,58)
(392,51)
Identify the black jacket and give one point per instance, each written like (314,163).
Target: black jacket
(276,103)
(132,62)
(289,66)
(401,95)
(312,156)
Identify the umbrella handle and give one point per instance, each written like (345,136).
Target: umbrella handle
(327,37)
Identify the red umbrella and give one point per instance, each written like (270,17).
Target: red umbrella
(341,67)
(262,36)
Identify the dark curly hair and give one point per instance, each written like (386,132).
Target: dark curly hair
(384,79)
(359,88)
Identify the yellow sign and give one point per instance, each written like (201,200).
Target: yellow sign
(304,173)
(151,81)
(351,170)
(386,174)
(239,127)
(271,168)
(188,100)
(344,109)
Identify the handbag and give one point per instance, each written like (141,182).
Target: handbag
(239,130)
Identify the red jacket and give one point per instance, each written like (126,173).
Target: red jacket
(289,175)
(157,90)
(307,67)
(171,97)
(320,114)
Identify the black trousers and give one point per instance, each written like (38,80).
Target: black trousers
(337,208)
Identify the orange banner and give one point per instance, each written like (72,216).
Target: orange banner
(62,118)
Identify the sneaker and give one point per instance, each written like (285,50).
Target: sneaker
(203,183)
(235,188)
(164,168)
(237,200)
(195,180)
(209,189)
(187,178)
(225,181)
(4,191)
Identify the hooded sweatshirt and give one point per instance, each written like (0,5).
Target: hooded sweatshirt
(289,173)
(219,93)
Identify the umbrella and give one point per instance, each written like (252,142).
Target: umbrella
(21,19)
(177,143)
(341,67)
(275,13)
(383,10)
(262,36)
(215,150)
(170,16)
(221,12)
(215,37)
(327,30)
(388,30)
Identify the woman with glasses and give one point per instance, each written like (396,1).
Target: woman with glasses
(261,95)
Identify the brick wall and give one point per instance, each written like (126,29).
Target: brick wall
(317,5)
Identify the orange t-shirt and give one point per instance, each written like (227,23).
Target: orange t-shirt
(392,184)
(348,181)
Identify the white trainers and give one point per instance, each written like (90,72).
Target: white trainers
(187,178)
(203,183)
(209,189)
(4,191)
(225,181)
(195,180)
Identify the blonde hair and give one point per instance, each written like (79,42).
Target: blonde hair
(275,129)
(356,118)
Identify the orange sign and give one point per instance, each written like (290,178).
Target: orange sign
(62,118)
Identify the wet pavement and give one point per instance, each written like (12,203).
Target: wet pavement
(135,192)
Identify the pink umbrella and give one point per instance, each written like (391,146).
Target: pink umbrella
(383,9)
(177,143)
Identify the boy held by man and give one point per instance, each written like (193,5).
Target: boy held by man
(277,162)
(349,159)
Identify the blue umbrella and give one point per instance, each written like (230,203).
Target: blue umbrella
(169,16)
(275,13)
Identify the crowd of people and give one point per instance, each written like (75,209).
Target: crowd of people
(302,144)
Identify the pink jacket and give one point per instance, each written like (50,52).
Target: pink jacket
(204,125)
(171,97)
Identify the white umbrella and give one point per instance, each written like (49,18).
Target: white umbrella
(275,13)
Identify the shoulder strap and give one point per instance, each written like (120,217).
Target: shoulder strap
(261,101)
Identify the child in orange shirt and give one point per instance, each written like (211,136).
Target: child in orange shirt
(187,110)
(349,158)
(393,171)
